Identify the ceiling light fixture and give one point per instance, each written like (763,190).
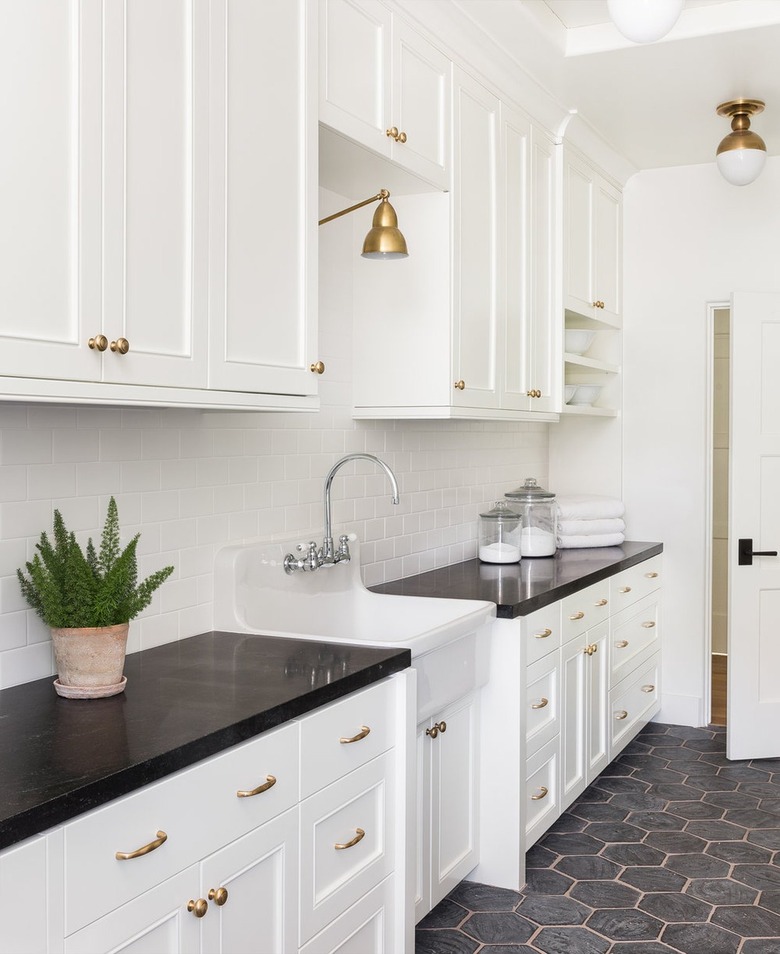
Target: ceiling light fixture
(384,239)
(742,154)
(644,21)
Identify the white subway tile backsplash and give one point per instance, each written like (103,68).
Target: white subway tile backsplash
(26,664)
(73,445)
(25,446)
(13,632)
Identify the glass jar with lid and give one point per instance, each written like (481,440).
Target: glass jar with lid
(539,515)
(499,534)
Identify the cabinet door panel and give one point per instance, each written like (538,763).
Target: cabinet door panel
(263,239)
(366,928)
(598,700)
(475,312)
(578,263)
(574,692)
(155,124)
(50,170)
(24,905)
(608,250)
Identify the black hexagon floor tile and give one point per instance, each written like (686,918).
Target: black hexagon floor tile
(672,850)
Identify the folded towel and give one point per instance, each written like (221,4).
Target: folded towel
(589,507)
(590,527)
(599,540)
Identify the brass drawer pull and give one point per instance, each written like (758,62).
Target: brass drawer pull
(652,575)
(544,634)
(648,625)
(648,688)
(542,792)
(127,855)
(364,730)
(622,714)
(601,603)
(360,835)
(199,907)
(625,589)
(540,705)
(621,644)
(270,781)
(578,615)
(219,896)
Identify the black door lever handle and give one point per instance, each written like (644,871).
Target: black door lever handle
(745,552)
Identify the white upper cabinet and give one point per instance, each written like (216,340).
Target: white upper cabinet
(385,86)
(592,246)
(263,240)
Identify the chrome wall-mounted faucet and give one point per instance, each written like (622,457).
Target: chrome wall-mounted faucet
(326,555)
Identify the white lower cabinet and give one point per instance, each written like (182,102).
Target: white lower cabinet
(234,855)
(448,814)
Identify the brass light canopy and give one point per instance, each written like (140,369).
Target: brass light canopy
(384,239)
(741,155)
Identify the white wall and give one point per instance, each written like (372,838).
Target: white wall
(192,481)
(690,239)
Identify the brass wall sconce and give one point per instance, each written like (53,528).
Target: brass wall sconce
(741,155)
(384,239)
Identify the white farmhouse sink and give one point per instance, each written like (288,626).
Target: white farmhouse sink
(447,638)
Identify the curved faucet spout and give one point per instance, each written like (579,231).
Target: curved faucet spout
(328,555)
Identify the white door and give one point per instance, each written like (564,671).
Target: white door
(754,515)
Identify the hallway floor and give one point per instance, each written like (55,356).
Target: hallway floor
(672,849)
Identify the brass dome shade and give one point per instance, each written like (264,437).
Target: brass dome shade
(741,154)
(384,239)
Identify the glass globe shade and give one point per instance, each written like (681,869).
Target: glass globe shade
(741,166)
(644,21)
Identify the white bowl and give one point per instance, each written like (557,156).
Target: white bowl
(569,391)
(586,395)
(577,340)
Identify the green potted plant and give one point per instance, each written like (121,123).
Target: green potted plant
(87,598)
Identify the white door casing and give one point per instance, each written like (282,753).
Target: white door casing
(754,513)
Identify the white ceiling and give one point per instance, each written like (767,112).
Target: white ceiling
(653,103)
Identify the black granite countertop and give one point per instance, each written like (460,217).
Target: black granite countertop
(518,589)
(184,702)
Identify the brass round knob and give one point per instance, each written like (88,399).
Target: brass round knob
(199,907)
(392,132)
(218,895)
(460,385)
(401,137)
(599,304)
(317,368)
(98,343)
(433,731)
(442,726)
(120,346)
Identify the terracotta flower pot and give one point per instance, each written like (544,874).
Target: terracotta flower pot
(90,661)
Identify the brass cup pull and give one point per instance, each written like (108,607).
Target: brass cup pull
(270,781)
(98,343)
(544,634)
(651,576)
(625,589)
(648,625)
(577,615)
(648,688)
(121,346)
(359,836)
(541,704)
(219,896)
(601,603)
(460,385)
(622,714)
(127,855)
(541,794)
(621,644)
(317,368)
(364,731)
(199,907)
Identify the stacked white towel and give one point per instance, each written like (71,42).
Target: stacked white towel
(590,520)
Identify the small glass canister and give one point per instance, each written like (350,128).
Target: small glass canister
(539,515)
(499,534)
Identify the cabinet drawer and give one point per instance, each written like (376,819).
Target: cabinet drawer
(635,583)
(632,703)
(366,928)
(541,791)
(584,609)
(334,740)
(634,634)
(543,703)
(333,878)
(197,809)
(542,632)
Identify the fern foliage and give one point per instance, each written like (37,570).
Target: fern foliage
(71,587)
